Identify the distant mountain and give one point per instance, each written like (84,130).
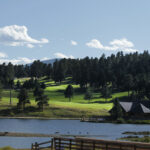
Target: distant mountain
(49,61)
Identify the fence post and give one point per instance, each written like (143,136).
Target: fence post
(59,144)
(36,146)
(52,141)
(120,147)
(93,145)
(106,146)
(81,145)
(70,144)
(134,147)
(32,146)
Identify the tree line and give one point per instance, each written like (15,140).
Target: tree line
(121,72)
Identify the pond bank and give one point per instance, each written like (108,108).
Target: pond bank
(19,134)
(41,118)
(100,120)
(118,121)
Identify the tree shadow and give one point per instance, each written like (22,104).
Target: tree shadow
(102,102)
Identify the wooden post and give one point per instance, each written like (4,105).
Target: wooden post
(59,144)
(70,144)
(52,143)
(106,146)
(36,146)
(93,145)
(134,147)
(81,145)
(32,146)
(120,147)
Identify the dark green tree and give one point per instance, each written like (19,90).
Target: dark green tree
(18,85)
(36,90)
(106,92)
(43,86)
(69,92)
(117,110)
(23,98)
(41,99)
(49,71)
(88,95)
(1,90)
(37,69)
(128,83)
(11,86)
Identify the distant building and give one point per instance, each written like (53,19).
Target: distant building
(136,108)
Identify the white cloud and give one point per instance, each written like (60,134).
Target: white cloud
(25,60)
(115,45)
(74,43)
(15,35)
(30,45)
(95,44)
(122,43)
(19,60)
(3,55)
(60,55)
(45,58)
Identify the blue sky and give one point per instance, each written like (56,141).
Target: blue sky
(43,29)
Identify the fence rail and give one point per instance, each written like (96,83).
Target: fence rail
(59,143)
(47,145)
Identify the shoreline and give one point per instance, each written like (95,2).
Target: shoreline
(22,134)
(40,118)
(86,120)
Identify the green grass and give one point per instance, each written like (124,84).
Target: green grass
(145,139)
(59,106)
(21,80)
(10,148)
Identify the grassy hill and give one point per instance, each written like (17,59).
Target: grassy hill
(59,106)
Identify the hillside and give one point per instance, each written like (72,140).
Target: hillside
(59,106)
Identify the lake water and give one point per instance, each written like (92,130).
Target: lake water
(97,130)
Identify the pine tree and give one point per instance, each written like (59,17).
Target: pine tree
(23,98)
(88,95)
(18,85)
(41,99)
(106,92)
(1,90)
(128,82)
(117,110)
(69,92)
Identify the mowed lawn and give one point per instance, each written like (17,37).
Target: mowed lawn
(59,106)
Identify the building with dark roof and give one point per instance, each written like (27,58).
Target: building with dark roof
(136,108)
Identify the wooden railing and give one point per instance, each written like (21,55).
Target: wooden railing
(91,144)
(44,145)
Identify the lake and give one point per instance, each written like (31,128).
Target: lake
(96,130)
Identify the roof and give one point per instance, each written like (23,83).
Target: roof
(145,109)
(126,106)
(135,107)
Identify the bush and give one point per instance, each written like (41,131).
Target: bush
(146,139)
(120,120)
(11,114)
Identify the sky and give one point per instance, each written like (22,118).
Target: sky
(47,29)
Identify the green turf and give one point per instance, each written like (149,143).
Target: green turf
(59,106)
(10,148)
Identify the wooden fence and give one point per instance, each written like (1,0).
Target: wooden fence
(91,144)
(44,145)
